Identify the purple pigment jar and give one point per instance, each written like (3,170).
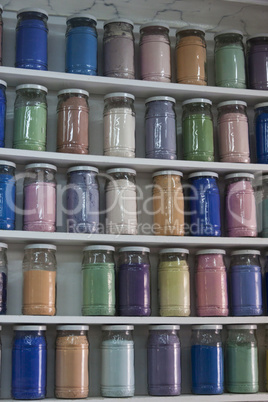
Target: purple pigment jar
(257,61)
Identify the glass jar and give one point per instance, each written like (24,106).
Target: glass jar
(1,35)
(30,117)
(39,279)
(168,203)
(233,132)
(207,360)
(82,200)
(261,131)
(98,273)
(246,283)
(211,283)
(155,53)
(160,128)
(266,357)
(40,197)
(205,219)
(7,195)
(71,362)
(118,49)
(173,283)
(241,359)
(229,59)
(263,206)
(29,362)
(134,281)
(3,102)
(257,55)
(31,39)
(197,130)
(164,360)
(121,201)
(119,125)
(191,56)
(72,122)
(117,361)
(3,283)
(81,54)
(240,205)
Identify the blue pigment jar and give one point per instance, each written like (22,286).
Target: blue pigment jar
(31,39)
(204,204)
(7,195)
(246,283)
(207,360)
(3,102)
(81,44)
(3,279)
(261,131)
(29,362)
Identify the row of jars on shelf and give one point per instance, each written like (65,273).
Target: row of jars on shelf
(154,51)
(164,371)
(30,125)
(100,280)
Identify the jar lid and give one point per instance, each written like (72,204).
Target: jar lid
(3,245)
(31,86)
(232,102)
(85,16)
(30,327)
(121,170)
(1,81)
(41,246)
(160,98)
(210,251)
(164,327)
(261,35)
(190,28)
(230,32)
(174,250)
(200,174)
(167,172)
(241,252)
(73,91)
(233,175)
(117,327)
(123,20)
(78,168)
(32,10)
(119,94)
(41,165)
(197,100)
(241,326)
(154,24)
(134,248)
(99,247)
(7,163)
(72,327)
(262,104)
(206,326)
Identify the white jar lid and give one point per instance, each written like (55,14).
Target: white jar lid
(3,245)
(210,251)
(160,98)
(140,249)
(233,175)
(262,104)
(201,174)
(261,35)
(7,163)
(73,91)
(117,327)
(99,247)
(120,170)
(174,250)
(41,165)
(72,327)
(31,86)
(41,246)
(241,252)
(78,168)
(190,28)
(167,172)
(120,95)
(123,20)
(232,102)
(227,31)
(154,24)
(196,100)
(241,326)
(30,327)
(206,326)
(32,10)
(1,81)
(86,16)
(164,327)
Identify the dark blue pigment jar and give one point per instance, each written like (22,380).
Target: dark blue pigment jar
(261,131)
(31,39)
(246,283)
(204,204)
(81,45)
(3,102)
(3,278)
(29,362)
(7,195)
